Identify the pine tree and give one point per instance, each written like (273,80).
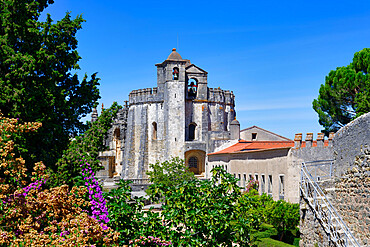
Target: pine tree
(345,94)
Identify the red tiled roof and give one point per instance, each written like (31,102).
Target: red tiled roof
(243,145)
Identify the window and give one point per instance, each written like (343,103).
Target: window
(175,73)
(193,162)
(250,177)
(269,188)
(239,182)
(263,181)
(192,88)
(244,180)
(254,136)
(154,134)
(281,187)
(192,131)
(256,177)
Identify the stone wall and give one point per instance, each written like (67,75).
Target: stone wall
(352,197)
(349,142)
(349,189)
(352,177)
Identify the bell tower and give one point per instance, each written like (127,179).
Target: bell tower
(172,82)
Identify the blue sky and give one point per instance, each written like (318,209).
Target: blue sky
(274,55)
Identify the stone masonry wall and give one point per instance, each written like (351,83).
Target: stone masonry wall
(349,142)
(349,190)
(352,198)
(352,177)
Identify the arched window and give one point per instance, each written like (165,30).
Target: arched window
(192,87)
(193,162)
(154,136)
(192,131)
(117,134)
(175,73)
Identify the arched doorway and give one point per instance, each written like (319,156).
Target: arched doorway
(195,161)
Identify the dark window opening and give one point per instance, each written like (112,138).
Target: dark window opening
(193,162)
(154,130)
(254,136)
(192,132)
(175,73)
(117,134)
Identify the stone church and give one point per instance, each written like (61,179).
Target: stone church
(181,117)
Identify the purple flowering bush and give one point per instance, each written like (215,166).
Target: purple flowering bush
(31,215)
(98,207)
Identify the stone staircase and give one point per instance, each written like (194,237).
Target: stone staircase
(314,177)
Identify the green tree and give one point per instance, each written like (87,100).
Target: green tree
(345,94)
(284,216)
(85,146)
(168,174)
(38,83)
(203,213)
(126,215)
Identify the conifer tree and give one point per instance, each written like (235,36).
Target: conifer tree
(345,94)
(38,83)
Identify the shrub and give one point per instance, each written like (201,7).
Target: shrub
(30,215)
(149,241)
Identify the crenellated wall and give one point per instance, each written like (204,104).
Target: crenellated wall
(349,189)
(146,95)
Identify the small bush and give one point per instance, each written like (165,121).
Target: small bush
(268,242)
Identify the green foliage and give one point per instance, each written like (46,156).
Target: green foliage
(254,207)
(85,146)
(168,175)
(265,231)
(268,242)
(37,60)
(128,218)
(284,216)
(345,94)
(262,211)
(202,211)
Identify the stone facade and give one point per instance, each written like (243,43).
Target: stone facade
(352,177)
(349,188)
(181,117)
(352,198)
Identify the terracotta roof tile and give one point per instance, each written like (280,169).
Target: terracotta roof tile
(244,146)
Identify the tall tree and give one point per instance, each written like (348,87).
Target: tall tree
(38,83)
(345,94)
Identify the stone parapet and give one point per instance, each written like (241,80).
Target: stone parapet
(146,95)
(217,95)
